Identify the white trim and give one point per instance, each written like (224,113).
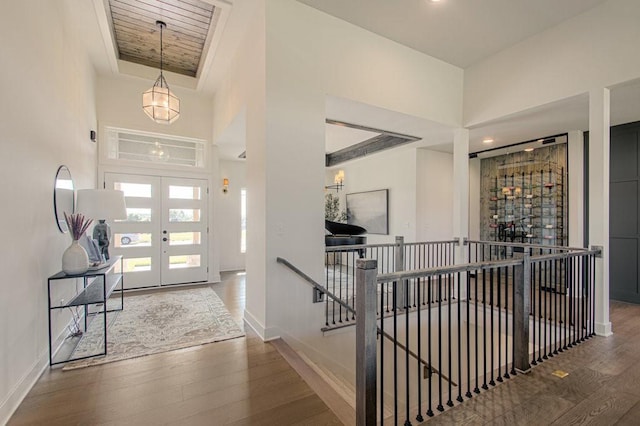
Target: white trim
(254,324)
(104,140)
(265,333)
(16,395)
(212,43)
(603,329)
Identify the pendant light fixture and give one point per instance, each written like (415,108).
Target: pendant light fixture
(159,103)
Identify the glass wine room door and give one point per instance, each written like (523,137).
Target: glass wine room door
(164,238)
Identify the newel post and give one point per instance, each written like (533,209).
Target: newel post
(521,309)
(366,341)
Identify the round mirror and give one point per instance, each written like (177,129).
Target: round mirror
(63,201)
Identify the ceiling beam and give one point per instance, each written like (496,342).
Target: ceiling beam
(385,140)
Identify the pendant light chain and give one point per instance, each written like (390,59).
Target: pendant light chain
(159,103)
(162,24)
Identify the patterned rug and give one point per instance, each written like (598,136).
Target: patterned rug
(158,322)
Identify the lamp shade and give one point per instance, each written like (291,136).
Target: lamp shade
(97,204)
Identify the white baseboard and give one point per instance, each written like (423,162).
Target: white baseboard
(319,357)
(24,385)
(265,333)
(22,388)
(603,329)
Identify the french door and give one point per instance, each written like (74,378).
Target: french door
(164,239)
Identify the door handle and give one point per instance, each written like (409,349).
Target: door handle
(164,232)
(164,239)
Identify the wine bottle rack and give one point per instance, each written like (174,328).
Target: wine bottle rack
(528,207)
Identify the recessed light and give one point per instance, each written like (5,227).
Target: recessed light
(434,1)
(487,140)
(528,149)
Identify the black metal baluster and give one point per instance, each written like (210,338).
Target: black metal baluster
(460,338)
(340,286)
(333,290)
(555,304)
(419,365)
(552,291)
(538,317)
(592,278)
(513,324)
(506,322)
(449,289)
(440,406)
(545,294)
(534,266)
(484,331)
(500,326)
(567,308)
(583,323)
(382,360)
(326,283)
(468,394)
(429,410)
(572,295)
(406,353)
(476,389)
(395,352)
(491,279)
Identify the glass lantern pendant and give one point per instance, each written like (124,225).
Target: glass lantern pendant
(159,103)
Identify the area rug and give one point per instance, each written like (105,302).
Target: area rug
(157,322)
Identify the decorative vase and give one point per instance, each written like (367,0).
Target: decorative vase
(75,260)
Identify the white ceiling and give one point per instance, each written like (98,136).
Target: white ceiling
(461,32)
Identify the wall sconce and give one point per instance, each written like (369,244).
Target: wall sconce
(338,181)
(225,185)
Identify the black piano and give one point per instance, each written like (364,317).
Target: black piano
(343,234)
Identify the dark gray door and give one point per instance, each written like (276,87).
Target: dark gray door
(624,237)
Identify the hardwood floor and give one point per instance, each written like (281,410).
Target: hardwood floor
(237,382)
(603,385)
(245,382)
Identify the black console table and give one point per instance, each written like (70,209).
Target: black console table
(85,296)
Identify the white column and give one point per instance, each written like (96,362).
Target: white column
(461,198)
(461,190)
(576,188)
(599,104)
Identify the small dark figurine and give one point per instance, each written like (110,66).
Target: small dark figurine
(102,233)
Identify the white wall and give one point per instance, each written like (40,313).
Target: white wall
(308,55)
(119,103)
(394,170)
(228,211)
(434,195)
(48,109)
(243,91)
(595,49)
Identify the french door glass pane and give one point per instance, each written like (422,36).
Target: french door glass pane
(142,190)
(184,215)
(184,192)
(184,238)
(138,215)
(184,261)
(137,239)
(137,264)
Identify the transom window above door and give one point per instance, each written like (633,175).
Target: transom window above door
(152,148)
